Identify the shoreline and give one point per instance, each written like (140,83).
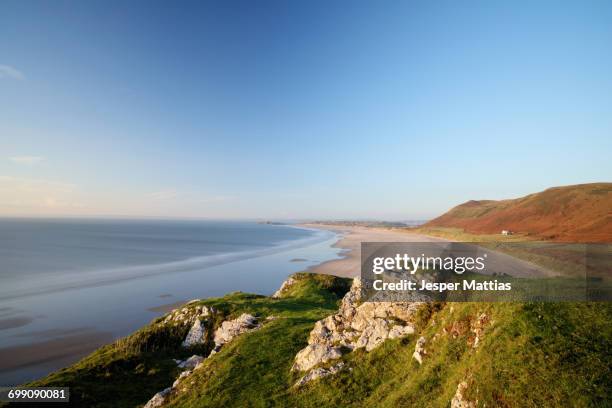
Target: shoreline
(349,241)
(351,237)
(34,349)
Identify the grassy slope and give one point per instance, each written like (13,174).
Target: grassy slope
(530,355)
(128,372)
(579,213)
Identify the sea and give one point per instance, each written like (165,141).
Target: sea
(68,286)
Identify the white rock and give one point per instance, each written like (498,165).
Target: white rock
(191,362)
(459,400)
(319,373)
(286,284)
(158,399)
(314,354)
(180,377)
(206,311)
(363,325)
(419,349)
(196,335)
(232,328)
(400,331)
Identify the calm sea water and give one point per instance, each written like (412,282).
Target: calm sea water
(67,286)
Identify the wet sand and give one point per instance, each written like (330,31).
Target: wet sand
(66,348)
(14,322)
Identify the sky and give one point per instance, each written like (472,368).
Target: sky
(392,110)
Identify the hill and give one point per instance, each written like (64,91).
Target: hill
(578,213)
(474,354)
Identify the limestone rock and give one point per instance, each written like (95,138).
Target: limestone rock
(191,362)
(320,373)
(158,399)
(359,325)
(478,327)
(284,286)
(232,328)
(180,377)
(419,349)
(188,314)
(459,400)
(400,331)
(196,335)
(314,354)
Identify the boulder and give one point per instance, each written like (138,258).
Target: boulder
(400,331)
(459,400)
(158,399)
(319,373)
(314,354)
(191,362)
(196,335)
(232,328)
(419,350)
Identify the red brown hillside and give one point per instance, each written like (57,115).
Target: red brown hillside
(579,213)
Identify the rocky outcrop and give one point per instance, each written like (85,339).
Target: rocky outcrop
(232,328)
(191,362)
(315,354)
(196,335)
(320,373)
(285,285)
(158,399)
(228,330)
(459,400)
(419,350)
(356,325)
(188,314)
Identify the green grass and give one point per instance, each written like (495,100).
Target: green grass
(460,235)
(534,355)
(128,372)
(529,355)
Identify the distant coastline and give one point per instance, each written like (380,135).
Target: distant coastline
(66,302)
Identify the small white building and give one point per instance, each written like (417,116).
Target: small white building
(506,232)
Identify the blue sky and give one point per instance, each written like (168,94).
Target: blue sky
(286,109)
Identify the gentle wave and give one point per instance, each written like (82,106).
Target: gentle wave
(67,281)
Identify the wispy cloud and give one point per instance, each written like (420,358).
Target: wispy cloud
(186,197)
(163,195)
(7,71)
(27,160)
(18,184)
(215,199)
(29,195)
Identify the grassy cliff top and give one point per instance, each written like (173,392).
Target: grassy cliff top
(528,355)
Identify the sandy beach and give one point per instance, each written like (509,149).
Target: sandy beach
(350,243)
(352,236)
